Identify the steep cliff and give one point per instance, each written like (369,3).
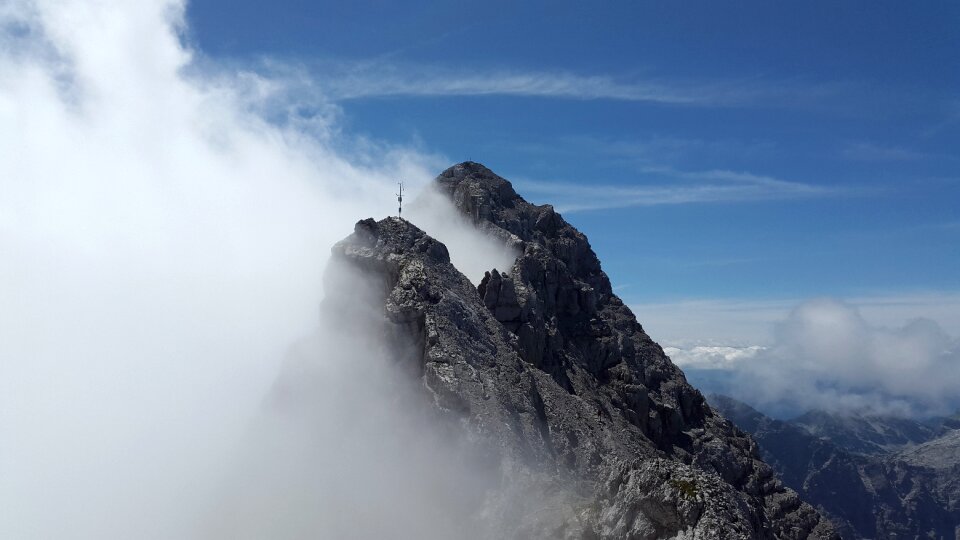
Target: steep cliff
(555,380)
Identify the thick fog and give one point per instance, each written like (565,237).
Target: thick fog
(348,445)
(472,253)
(164,225)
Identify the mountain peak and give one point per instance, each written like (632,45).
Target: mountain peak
(477,191)
(546,367)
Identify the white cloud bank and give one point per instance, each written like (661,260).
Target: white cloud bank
(164,224)
(826,355)
(711,356)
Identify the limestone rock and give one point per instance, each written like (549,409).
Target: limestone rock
(546,366)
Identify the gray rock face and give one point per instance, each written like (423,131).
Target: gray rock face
(911,494)
(550,372)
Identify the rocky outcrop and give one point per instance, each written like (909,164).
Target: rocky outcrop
(552,375)
(911,494)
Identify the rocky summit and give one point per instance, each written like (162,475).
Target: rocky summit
(544,367)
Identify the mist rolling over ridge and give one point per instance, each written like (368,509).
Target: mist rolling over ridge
(347,444)
(689,292)
(164,244)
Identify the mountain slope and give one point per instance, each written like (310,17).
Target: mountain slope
(551,374)
(940,453)
(862,434)
(908,495)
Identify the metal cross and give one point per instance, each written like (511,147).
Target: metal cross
(400,198)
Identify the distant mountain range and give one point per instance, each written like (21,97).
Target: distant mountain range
(867,434)
(872,476)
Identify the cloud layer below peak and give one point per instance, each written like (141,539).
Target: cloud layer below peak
(825,355)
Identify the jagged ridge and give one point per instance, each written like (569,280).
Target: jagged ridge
(552,370)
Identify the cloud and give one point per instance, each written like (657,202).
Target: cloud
(473,254)
(826,355)
(344,81)
(378,78)
(563,85)
(711,356)
(164,224)
(348,445)
(683,187)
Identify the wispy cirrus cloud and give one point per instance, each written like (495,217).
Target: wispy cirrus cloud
(674,187)
(530,84)
(344,81)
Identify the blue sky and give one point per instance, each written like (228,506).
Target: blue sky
(748,150)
